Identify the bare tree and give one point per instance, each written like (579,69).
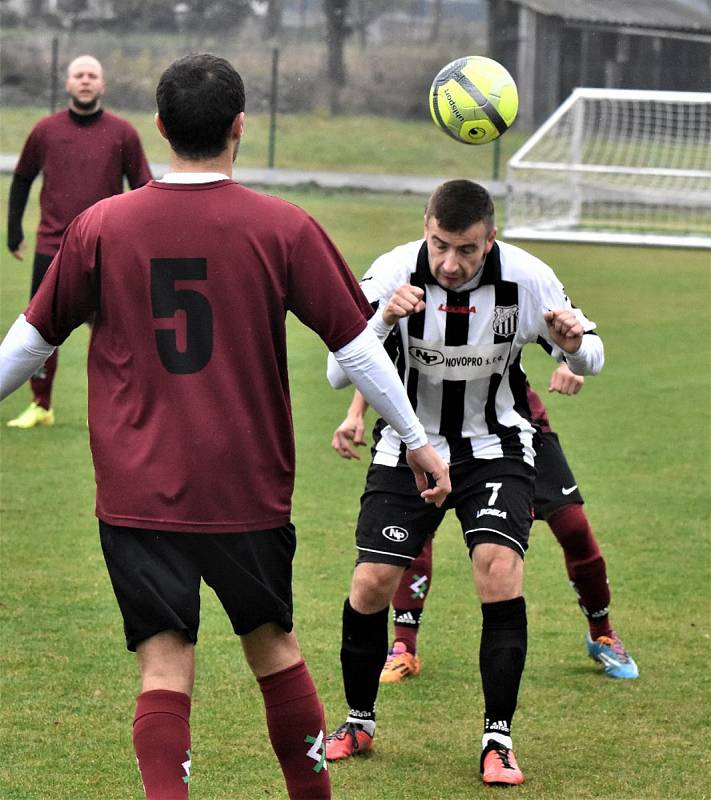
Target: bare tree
(337,31)
(273,18)
(436,20)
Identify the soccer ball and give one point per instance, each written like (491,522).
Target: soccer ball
(474,100)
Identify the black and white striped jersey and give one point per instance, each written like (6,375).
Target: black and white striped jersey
(460,358)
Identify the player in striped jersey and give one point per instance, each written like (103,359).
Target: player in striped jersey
(184,499)
(456,308)
(558,501)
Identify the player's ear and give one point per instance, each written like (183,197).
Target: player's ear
(490,239)
(160,126)
(238,126)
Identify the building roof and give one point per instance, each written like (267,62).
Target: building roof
(665,14)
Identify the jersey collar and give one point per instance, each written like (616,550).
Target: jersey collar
(490,274)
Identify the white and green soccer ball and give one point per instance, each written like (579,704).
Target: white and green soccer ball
(473,99)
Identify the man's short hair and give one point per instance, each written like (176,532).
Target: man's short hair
(198,98)
(459,204)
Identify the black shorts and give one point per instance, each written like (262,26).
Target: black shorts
(555,483)
(493,501)
(156,578)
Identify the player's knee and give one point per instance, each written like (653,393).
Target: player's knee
(373,586)
(166,661)
(498,572)
(269,649)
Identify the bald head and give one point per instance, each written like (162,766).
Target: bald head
(85,62)
(85,84)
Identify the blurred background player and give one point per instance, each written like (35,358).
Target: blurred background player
(557,501)
(182,497)
(83,153)
(460,307)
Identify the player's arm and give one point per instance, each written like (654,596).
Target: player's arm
(564,381)
(325,296)
(66,299)
(403,302)
(368,367)
(584,351)
(28,167)
(22,353)
(19,194)
(351,431)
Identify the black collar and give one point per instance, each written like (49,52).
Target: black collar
(491,273)
(492,267)
(85,119)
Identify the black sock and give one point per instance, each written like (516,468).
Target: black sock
(502,656)
(364,648)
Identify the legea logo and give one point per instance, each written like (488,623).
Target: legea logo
(425,356)
(395,533)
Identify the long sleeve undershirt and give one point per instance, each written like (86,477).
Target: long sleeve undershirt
(19,193)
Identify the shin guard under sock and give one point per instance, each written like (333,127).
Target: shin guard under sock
(364,648)
(502,655)
(161,739)
(297,730)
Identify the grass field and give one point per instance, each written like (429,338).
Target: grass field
(638,439)
(319,142)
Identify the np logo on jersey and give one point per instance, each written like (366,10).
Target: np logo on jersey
(395,533)
(505,320)
(425,356)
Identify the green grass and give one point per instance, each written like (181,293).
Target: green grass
(320,142)
(638,440)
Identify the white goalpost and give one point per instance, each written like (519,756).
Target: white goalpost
(616,166)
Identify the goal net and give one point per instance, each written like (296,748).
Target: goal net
(616,166)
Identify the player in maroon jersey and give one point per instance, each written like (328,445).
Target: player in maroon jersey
(189,280)
(83,153)
(558,501)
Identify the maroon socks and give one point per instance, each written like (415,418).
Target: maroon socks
(410,597)
(585,566)
(297,730)
(161,739)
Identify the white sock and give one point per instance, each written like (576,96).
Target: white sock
(368,725)
(496,737)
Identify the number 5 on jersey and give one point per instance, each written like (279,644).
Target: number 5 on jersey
(166,301)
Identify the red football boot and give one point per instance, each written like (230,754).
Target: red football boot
(499,767)
(348,740)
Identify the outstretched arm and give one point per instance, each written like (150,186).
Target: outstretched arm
(368,367)
(22,352)
(405,300)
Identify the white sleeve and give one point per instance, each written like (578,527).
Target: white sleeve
(22,352)
(336,376)
(547,293)
(366,364)
(589,358)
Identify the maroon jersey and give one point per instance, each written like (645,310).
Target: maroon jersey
(539,415)
(189,410)
(82,160)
